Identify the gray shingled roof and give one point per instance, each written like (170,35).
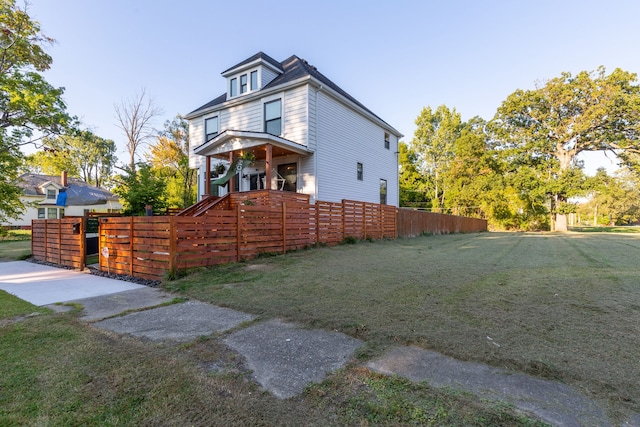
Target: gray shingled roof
(79,193)
(293,68)
(259,55)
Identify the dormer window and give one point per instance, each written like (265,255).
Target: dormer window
(51,194)
(243,83)
(233,87)
(254,80)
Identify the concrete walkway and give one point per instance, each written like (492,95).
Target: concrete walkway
(285,358)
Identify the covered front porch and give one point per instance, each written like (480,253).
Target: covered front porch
(262,161)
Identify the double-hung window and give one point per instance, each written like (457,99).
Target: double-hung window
(51,194)
(273,117)
(359,171)
(233,87)
(243,83)
(254,80)
(211,127)
(386,141)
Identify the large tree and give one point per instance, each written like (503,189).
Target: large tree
(553,123)
(169,156)
(432,143)
(135,117)
(82,154)
(30,108)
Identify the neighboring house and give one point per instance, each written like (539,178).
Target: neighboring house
(50,197)
(307,135)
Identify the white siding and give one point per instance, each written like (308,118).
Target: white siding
(196,138)
(294,115)
(345,138)
(247,116)
(267,76)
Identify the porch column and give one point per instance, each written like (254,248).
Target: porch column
(232,181)
(267,172)
(207,177)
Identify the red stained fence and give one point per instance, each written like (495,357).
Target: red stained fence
(412,223)
(59,241)
(149,247)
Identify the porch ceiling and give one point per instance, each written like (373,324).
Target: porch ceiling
(233,140)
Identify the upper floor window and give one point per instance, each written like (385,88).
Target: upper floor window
(273,117)
(386,141)
(359,171)
(211,127)
(51,194)
(243,83)
(233,87)
(254,80)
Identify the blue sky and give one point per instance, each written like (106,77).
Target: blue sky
(395,57)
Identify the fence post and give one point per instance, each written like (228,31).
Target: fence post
(59,241)
(83,244)
(173,244)
(131,248)
(238,232)
(317,216)
(284,227)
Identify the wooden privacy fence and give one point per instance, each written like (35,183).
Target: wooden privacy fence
(59,241)
(412,223)
(148,247)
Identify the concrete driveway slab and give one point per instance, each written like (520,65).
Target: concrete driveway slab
(103,306)
(41,284)
(181,322)
(285,359)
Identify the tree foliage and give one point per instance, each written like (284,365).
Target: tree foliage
(139,188)
(83,155)
(433,145)
(30,108)
(169,157)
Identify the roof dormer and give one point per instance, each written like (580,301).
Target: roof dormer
(251,75)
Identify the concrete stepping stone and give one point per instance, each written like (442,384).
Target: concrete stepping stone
(101,307)
(285,358)
(553,402)
(181,322)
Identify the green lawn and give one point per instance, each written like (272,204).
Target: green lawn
(13,250)
(560,306)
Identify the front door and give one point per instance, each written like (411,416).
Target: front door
(288,172)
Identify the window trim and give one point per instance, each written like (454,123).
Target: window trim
(213,135)
(360,171)
(253,85)
(52,192)
(243,86)
(42,213)
(383,196)
(267,121)
(233,87)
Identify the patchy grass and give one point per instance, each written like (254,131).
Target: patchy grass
(625,229)
(559,306)
(13,250)
(56,370)
(14,235)
(12,306)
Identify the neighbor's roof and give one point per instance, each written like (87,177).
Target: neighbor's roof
(79,193)
(293,68)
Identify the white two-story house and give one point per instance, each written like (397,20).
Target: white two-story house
(306,134)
